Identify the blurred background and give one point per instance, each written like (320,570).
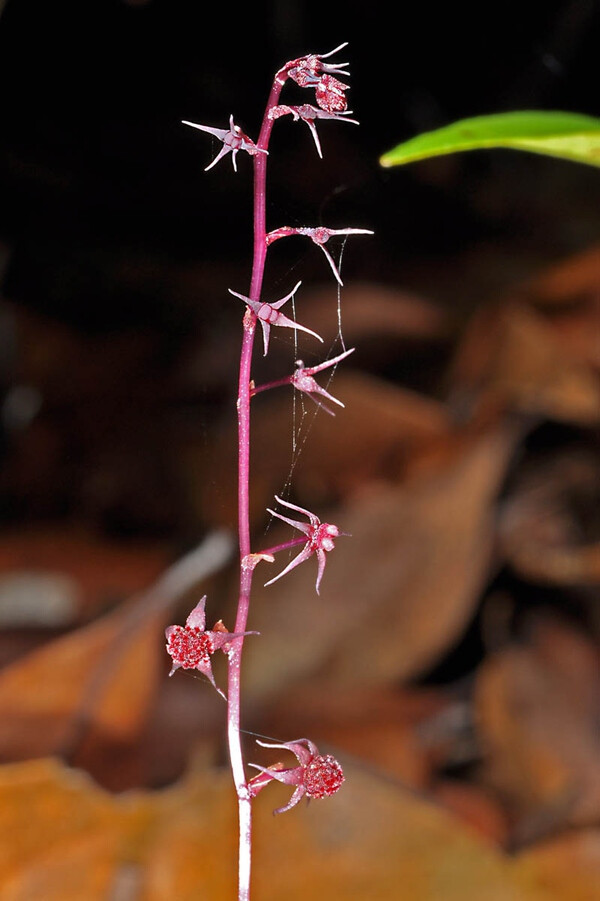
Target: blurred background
(451,661)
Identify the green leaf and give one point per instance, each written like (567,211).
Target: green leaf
(571,136)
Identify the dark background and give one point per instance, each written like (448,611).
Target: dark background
(110,226)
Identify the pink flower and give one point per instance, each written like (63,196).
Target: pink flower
(233,139)
(320,540)
(268,314)
(191,646)
(318,236)
(303,380)
(308,113)
(312,72)
(308,70)
(316,776)
(330,95)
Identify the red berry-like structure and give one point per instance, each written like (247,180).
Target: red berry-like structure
(189,647)
(323,776)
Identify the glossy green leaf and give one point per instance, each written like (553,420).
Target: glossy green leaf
(571,136)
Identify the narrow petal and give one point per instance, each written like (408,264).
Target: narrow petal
(313,131)
(302,526)
(297,747)
(321,569)
(296,797)
(222,152)
(304,554)
(197,617)
(285,322)
(206,670)
(310,370)
(279,303)
(313,518)
(266,330)
(334,268)
(219,133)
(287,777)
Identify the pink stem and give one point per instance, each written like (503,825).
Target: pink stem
(243,407)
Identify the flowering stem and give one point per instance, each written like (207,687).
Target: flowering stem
(243,410)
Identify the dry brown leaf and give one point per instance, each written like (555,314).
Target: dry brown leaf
(65,840)
(536,713)
(566,868)
(567,282)
(89,692)
(101,677)
(511,357)
(398,592)
(50,352)
(104,571)
(474,806)
(543,522)
(569,296)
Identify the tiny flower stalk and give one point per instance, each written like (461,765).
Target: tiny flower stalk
(192,646)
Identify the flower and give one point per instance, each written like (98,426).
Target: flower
(311,72)
(316,776)
(308,113)
(303,380)
(233,139)
(191,646)
(318,236)
(308,70)
(330,95)
(320,540)
(268,315)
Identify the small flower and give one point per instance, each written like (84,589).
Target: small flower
(312,72)
(330,95)
(308,70)
(268,315)
(303,380)
(191,646)
(320,540)
(233,139)
(316,776)
(308,113)
(318,236)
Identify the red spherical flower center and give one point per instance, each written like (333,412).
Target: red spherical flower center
(323,776)
(189,646)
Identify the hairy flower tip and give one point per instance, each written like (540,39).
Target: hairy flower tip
(316,776)
(233,139)
(323,776)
